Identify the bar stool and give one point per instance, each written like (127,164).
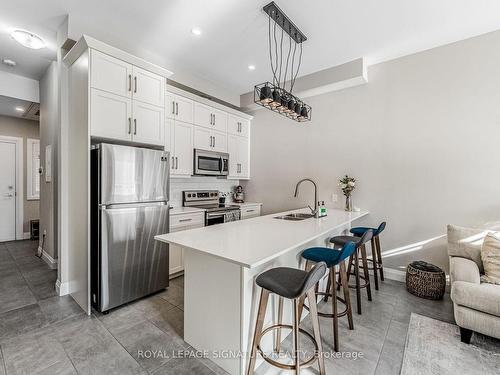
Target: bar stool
(339,241)
(376,252)
(332,258)
(293,284)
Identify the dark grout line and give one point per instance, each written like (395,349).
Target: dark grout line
(3,360)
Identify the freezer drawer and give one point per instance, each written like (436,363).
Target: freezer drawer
(132,263)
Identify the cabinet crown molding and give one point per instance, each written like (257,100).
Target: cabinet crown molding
(87,42)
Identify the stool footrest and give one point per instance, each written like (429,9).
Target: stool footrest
(326,315)
(304,364)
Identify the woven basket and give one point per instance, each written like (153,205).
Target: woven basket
(425,280)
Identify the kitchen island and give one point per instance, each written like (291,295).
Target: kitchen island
(221,263)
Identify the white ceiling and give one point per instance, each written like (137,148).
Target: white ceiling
(8,106)
(235,31)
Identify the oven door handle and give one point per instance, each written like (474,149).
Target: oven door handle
(215,215)
(221,164)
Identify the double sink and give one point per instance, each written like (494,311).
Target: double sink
(295,217)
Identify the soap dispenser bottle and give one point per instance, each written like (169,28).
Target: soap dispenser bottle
(322,209)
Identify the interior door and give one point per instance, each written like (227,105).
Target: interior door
(148,124)
(148,87)
(7,191)
(110,115)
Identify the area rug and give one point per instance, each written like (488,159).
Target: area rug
(434,347)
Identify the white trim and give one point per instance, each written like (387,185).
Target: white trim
(62,289)
(393,274)
(29,169)
(19,184)
(47,258)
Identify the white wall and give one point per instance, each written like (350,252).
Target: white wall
(421,138)
(19,87)
(49,128)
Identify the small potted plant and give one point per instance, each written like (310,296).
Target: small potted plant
(347,184)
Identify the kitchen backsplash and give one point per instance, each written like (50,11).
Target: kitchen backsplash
(178,185)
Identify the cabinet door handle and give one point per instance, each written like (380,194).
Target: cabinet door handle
(176,108)
(129,125)
(173,163)
(184,220)
(215,118)
(135,126)
(176,162)
(173,107)
(135,84)
(214,141)
(250,211)
(130,82)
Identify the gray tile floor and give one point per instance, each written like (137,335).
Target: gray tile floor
(41,333)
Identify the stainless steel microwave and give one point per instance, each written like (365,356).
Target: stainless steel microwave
(210,163)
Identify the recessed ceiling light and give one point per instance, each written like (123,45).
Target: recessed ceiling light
(196,31)
(251,67)
(28,39)
(19,109)
(9,62)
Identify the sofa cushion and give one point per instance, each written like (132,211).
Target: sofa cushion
(490,256)
(482,297)
(462,269)
(466,243)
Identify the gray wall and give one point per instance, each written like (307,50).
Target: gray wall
(18,127)
(49,117)
(421,138)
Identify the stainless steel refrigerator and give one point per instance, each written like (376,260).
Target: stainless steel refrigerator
(129,206)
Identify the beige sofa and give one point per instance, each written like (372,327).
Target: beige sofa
(476,304)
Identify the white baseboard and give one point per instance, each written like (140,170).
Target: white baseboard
(62,289)
(393,274)
(47,258)
(26,235)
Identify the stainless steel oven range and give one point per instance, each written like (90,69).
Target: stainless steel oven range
(215,213)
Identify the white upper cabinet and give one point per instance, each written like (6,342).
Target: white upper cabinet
(181,149)
(210,140)
(179,108)
(148,123)
(110,115)
(210,117)
(148,87)
(238,126)
(239,161)
(110,74)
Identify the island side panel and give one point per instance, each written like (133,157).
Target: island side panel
(212,310)
(251,295)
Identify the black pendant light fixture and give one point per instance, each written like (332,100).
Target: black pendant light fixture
(277,96)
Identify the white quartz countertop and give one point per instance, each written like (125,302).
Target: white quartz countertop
(256,241)
(185,210)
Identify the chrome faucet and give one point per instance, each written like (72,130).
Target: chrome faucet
(315,212)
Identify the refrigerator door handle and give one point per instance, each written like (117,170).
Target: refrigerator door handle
(131,205)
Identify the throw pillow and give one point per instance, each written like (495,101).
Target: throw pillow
(490,255)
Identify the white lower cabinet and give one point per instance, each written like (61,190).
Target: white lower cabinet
(210,140)
(238,149)
(179,141)
(249,210)
(178,223)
